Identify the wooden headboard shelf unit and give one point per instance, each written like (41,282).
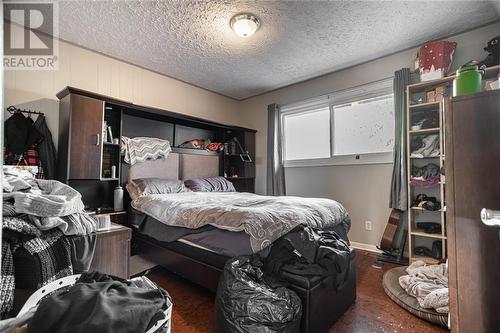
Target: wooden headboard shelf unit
(85,158)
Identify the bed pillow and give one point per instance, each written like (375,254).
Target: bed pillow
(145,186)
(210,184)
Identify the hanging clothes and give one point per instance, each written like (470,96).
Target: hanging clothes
(46,149)
(21,141)
(20,134)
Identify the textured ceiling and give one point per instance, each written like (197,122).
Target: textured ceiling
(192,40)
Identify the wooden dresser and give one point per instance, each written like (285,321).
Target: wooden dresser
(112,252)
(472,174)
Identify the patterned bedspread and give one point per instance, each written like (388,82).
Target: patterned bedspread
(263,218)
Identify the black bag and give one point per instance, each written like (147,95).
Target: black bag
(245,303)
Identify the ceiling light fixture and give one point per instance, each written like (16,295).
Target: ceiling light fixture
(244,25)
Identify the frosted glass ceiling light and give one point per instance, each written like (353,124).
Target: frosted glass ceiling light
(244,25)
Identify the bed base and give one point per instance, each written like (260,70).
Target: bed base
(194,270)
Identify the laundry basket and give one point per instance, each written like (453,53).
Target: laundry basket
(67,281)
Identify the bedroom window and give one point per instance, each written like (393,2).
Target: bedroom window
(313,125)
(355,126)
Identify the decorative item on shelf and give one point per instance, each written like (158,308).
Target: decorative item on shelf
(468,80)
(113,171)
(431,96)
(116,141)
(110,134)
(118,199)
(104,132)
(435,59)
(231,146)
(493,49)
(441,93)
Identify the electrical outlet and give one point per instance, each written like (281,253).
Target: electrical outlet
(368,225)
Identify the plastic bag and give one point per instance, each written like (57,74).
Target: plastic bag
(245,303)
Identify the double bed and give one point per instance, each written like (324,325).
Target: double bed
(193,234)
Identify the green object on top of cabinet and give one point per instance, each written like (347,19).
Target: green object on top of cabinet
(468,80)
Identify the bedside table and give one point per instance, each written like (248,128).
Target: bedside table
(112,251)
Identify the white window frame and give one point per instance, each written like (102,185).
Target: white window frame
(371,90)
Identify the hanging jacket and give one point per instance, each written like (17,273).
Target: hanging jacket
(20,134)
(21,142)
(46,149)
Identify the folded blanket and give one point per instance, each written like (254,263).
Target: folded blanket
(140,149)
(428,284)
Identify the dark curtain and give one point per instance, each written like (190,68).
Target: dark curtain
(275,170)
(399,183)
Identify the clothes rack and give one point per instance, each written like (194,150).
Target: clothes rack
(12,109)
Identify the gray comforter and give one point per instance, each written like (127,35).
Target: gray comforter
(263,218)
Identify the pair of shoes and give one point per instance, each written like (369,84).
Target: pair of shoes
(429,227)
(435,253)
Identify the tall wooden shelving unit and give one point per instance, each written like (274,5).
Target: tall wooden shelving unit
(438,189)
(416,236)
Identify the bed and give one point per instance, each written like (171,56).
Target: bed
(197,250)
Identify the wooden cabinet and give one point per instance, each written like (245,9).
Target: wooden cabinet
(112,252)
(472,169)
(86,148)
(85,140)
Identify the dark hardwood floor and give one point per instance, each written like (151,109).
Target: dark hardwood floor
(372,312)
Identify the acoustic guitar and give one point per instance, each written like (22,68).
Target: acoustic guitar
(386,244)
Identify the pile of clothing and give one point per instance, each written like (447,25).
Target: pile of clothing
(424,121)
(308,252)
(427,146)
(97,303)
(203,144)
(45,234)
(426,176)
(426,202)
(29,143)
(428,284)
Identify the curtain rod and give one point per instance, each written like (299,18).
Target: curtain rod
(12,109)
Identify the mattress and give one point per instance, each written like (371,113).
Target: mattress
(208,238)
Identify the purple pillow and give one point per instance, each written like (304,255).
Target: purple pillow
(210,184)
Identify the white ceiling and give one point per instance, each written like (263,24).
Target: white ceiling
(192,40)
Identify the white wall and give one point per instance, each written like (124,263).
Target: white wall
(95,72)
(363,189)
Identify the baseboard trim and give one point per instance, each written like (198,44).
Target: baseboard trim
(365,247)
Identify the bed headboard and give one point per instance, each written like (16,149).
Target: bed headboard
(175,166)
(197,166)
(167,168)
